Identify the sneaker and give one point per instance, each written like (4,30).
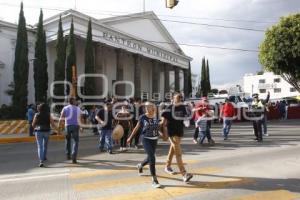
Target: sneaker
(266,134)
(140,169)
(195,141)
(225,138)
(41,165)
(136,146)
(155,184)
(169,170)
(110,151)
(187,177)
(74,161)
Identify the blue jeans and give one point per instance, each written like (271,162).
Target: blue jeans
(42,138)
(150,148)
(105,138)
(226,126)
(204,134)
(72,133)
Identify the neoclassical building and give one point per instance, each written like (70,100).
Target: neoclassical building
(135,48)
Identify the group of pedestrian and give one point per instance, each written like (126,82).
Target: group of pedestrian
(149,125)
(203,115)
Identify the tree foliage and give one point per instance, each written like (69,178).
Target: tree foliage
(280,50)
(89,84)
(40,64)
(21,65)
(205,86)
(71,54)
(59,71)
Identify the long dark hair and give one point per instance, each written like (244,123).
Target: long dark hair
(44,113)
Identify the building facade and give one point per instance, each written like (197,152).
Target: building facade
(268,81)
(135,48)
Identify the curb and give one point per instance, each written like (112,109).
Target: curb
(29,139)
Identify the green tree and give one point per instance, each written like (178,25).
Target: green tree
(89,84)
(280,50)
(40,63)
(71,55)
(208,77)
(59,71)
(190,85)
(203,82)
(21,65)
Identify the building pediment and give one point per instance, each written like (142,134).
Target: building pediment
(146,26)
(118,38)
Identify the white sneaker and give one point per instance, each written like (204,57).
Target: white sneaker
(187,177)
(169,170)
(155,183)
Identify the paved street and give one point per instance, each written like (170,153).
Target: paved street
(236,169)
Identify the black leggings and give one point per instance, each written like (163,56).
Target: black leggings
(124,138)
(150,148)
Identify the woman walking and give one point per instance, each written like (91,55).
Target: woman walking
(149,125)
(123,118)
(41,124)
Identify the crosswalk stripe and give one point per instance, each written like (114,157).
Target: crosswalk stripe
(177,191)
(135,180)
(269,195)
(117,170)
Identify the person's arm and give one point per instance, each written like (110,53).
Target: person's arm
(164,123)
(221,111)
(99,120)
(134,132)
(61,118)
(34,122)
(267,99)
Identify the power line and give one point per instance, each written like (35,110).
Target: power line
(165,20)
(182,44)
(163,42)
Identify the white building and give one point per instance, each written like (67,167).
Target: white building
(136,48)
(268,81)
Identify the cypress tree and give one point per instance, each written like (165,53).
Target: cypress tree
(190,86)
(59,72)
(21,65)
(89,84)
(203,81)
(40,63)
(71,55)
(208,77)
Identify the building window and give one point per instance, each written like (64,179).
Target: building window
(292,89)
(262,81)
(277,80)
(277,90)
(262,90)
